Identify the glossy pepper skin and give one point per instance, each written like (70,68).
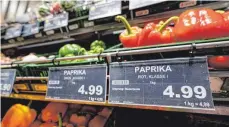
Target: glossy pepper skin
(212,24)
(187,26)
(167,35)
(52,110)
(143,40)
(199,24)
(130,36)
(219,62)
(226,20)
(19,116)
(155,37)
(162,34)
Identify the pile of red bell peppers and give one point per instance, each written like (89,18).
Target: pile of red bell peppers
(196,24)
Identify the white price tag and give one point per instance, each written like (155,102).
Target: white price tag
(188,3)
(133,4)
(88,24)
(107,9)
(57,21)
(73,27)
(142,12)
(38,35)
(7,81)
(50,32)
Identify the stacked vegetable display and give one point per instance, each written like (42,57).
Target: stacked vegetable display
(57,115)
(56,7)
(196,24)
(70,50)
(5,59)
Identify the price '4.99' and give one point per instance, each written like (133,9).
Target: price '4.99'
(91,90)
(186,92)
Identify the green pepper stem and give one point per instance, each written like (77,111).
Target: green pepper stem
(125,22)
(174,18)
(60,123)
(29,104)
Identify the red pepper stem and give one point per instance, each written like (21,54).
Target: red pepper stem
(220,11)
(174,18)
(60,123)
(125,22)
(29,104)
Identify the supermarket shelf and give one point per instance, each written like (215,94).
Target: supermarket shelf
(219,110)
(132,52)
(113,26)
(211,73)
(34,95)
(87,16)
(221,99)
(219,73)
(46,44)
(120,48)
(34,41)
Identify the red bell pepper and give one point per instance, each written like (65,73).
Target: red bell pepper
(187,26)
(130,36)
(199,24)
(161,36)
(55,8)
(226,17)
(143,40)
(167,35)
(155,37)
(226,20)
(211,24)
(219,62)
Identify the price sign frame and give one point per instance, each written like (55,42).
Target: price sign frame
(93,11)
(84,83)
(9,74)
(129,86)
(30,26)
(64,15)
(134,4)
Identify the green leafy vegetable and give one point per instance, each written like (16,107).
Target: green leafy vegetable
(97,43)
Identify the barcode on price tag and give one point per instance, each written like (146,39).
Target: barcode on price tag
(51,82)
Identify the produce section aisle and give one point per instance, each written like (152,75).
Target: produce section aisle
(111,63)
(219,109)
